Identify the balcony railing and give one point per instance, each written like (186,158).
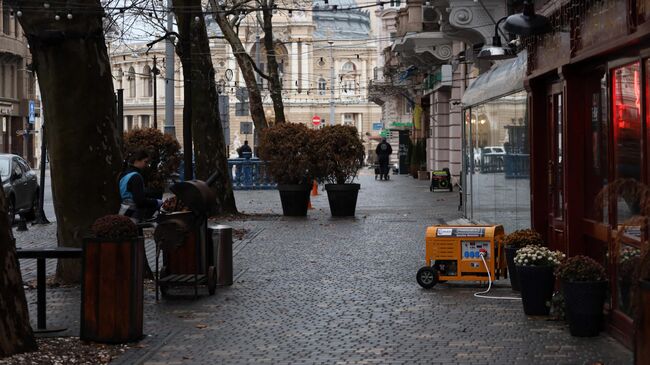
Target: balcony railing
(250,174)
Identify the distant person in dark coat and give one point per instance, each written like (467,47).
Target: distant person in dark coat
(383,152)
(245,148)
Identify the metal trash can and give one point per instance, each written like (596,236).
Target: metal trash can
(221,236)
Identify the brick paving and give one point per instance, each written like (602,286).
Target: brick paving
(320,290)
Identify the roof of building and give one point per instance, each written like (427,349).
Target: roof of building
(340,24)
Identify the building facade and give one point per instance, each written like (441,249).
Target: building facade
(589,93)
(17,89)
(325,57)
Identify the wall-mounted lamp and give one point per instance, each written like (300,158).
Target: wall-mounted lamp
(496,51)
(528,23)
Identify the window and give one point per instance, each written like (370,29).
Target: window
(130,77)
(626,105)
(129,122)
(408,107)
(24,165)
(145,121)
(348,67)
(148,81)
(348,119)
(322,86)
(6,19)
(349,86)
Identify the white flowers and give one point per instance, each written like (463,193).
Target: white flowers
(533,255)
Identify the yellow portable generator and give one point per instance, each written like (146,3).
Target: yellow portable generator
(462,253)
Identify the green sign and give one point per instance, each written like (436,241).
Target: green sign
(402,124)
(384,133)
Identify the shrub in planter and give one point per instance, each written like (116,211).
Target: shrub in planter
(112,282)
(512,243)
(584,287)
(341,155)
(535,265)
(289,151)
(164,160)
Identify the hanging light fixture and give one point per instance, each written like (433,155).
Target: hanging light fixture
(496,51)
(527,23)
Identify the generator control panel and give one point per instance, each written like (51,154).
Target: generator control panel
(470,250)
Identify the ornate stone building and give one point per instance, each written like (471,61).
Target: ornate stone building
(308,45)
(17,88)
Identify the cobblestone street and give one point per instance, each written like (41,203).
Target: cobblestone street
(338,291)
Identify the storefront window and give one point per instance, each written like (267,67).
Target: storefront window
(596,152)
(626,112)
(497,162)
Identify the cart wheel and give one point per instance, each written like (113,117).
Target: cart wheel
(427,277)
(164,290)
(212,280)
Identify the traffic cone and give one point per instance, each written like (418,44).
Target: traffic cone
(309,204)
(314,189)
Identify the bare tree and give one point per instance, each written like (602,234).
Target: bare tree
(275,85)
(201,107)
(15,332)
(228,16)
(74,73)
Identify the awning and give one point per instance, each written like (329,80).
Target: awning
(502,79)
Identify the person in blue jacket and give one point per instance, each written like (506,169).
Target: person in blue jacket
(135,204)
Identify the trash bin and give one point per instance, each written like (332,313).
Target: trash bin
(112,290)
(221,236)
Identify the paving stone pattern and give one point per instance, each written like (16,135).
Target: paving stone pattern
(320,290)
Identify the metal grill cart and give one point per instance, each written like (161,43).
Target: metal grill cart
(188,256)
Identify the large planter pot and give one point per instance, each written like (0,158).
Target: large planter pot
(342,199)
(642,324)
(294,198)
(584,306)
(511,252)
(537,284)
(112,290)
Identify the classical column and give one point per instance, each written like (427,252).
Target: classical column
(363,82)
(305,56)
(294,65)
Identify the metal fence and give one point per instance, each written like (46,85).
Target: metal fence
(250,174)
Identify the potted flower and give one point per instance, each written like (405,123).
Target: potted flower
(628,261)
(112,282)
(535,265)
(340,156)
(584,286)
(642,309)
(512,243)
(288,149)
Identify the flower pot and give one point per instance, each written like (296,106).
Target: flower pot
(584,306)
(537,284)
(511,252)
(294,198)
(342,199)
(642,324)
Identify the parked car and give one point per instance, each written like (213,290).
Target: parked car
(20,186)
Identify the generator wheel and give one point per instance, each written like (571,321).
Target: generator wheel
(427,277)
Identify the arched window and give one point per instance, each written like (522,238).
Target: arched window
(131,79)
(322,86)
(348,86)
(148,81)
(348,67)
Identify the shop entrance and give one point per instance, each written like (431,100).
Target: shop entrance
(555,166)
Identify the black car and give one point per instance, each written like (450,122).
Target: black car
(20,186)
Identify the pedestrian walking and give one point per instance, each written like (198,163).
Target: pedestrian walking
(383,151)
(135,204)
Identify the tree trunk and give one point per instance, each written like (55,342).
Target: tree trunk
(245,65)
(74,74)
(201,97)
(15,332)
(269,44)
